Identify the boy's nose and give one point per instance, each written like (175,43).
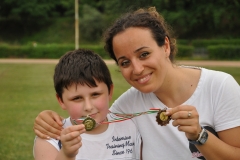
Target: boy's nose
(88,106)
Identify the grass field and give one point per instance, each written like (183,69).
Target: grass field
(27,89)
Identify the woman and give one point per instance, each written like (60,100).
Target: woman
(204,105)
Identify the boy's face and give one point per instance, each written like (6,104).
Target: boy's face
(82,100)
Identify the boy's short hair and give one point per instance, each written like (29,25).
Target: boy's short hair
(80,66)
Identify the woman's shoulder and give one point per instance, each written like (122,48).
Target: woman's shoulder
(218,80)
(216,76)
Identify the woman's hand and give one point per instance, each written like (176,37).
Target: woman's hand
(71,140)
(48,124)
(186,118)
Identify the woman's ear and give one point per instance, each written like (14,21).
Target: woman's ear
(60,101)
(167,47)
(111,92)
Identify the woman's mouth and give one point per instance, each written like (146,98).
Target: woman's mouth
(144,79)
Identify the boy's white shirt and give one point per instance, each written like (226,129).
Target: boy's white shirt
(121,140)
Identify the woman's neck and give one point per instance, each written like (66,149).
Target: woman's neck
(178,86)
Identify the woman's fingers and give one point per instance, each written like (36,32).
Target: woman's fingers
(186,118)
(44,130)
(45,125)
(57,118)
(50,117)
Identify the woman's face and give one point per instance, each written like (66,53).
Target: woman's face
(142,62)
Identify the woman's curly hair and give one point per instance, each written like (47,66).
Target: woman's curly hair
(143,18)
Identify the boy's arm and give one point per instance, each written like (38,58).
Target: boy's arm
(48,124)
(71,142)
(44,150)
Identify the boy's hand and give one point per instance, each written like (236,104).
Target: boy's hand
(71,140)
(48,124)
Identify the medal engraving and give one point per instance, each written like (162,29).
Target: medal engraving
(89,123)
(161,118)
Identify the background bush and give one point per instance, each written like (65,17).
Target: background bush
(224,52)
(185,51)
(52,51)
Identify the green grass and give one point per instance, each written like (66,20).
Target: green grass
(26,90)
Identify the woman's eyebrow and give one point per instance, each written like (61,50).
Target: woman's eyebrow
(140,49)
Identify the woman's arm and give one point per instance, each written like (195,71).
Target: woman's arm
(48,124)
(227,146)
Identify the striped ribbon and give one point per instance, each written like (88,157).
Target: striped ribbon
(121,116)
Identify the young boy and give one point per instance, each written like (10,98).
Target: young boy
(84,88)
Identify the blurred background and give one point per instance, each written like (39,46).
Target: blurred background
(206,29)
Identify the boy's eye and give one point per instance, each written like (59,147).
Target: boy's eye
(76,98)
(95,94)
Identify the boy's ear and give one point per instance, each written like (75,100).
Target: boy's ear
(111,92)
(60,102)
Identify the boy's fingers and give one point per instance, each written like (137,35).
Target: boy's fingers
(80,128)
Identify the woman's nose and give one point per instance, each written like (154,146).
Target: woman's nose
(137,67)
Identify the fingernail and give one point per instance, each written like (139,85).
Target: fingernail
(58,138)
(167,111)
(48,137)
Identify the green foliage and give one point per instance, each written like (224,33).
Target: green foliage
(226,52)
(201,19)
(91,24)
(45,51)
(185,51)
(208,42)
(22,19)
(38,51)
(25,9)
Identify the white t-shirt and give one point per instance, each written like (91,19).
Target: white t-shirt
(216,98)
(121,141)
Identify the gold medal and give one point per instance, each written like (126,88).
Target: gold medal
(89,123)
(161,118)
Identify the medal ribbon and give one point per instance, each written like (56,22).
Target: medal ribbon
(122,117)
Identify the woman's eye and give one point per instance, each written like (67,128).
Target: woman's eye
(144,54)
(124,63)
